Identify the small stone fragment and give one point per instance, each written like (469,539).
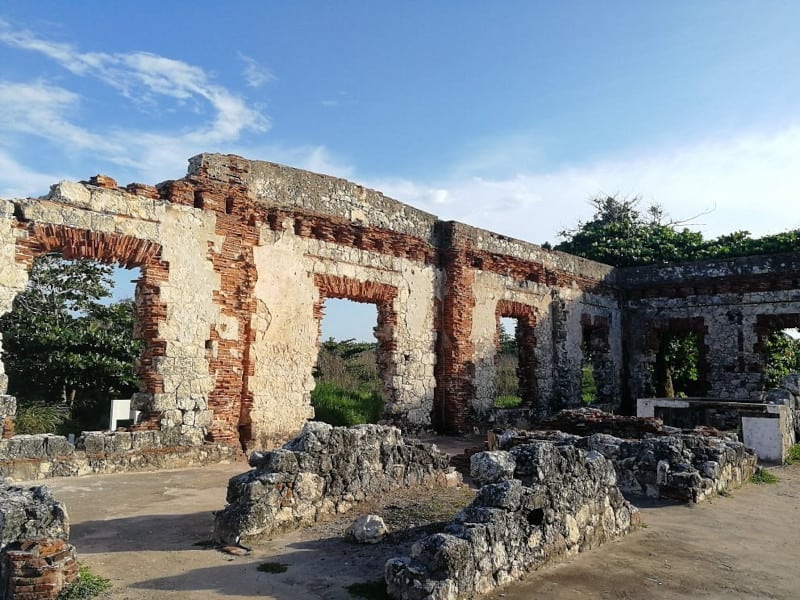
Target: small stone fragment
(367,529)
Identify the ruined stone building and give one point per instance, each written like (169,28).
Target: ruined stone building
(238,258)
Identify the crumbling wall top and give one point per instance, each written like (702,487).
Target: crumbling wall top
(743,266)
(274,185)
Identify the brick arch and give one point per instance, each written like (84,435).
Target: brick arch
(526,344)
(128,252)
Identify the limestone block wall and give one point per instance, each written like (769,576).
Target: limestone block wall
(13,276)
(732,305)
(238,258)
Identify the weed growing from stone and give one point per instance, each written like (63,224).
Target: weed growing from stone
(763,476)
(87,585)
(371,590)
(272,567)
(507,401)
(794,455)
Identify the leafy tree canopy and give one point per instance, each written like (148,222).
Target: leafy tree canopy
(61,344)
(622,235)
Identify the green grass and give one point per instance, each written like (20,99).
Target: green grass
(338,406)
(588,385)
(793,457)
(273,567)
(85,586)
(371,590)
(507,401)
(763,476)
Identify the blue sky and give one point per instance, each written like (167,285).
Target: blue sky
(505,115)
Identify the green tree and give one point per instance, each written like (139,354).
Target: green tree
(63,346)
(784,358)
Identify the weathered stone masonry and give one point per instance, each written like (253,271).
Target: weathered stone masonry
(238,257)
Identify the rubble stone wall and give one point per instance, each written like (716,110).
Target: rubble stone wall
(324,470)
(237,259)
(553,502)
(667,463)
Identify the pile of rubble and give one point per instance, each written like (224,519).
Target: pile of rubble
(36,559)
(541,501)
(681,466)
(324,470)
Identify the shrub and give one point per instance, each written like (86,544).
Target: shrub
(40,418)
(85,586)
(763,476)
(794,455)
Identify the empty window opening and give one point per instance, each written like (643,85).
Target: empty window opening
(588,378)
(781,350)
(349,387)
(678,366)
(68,346)
(508,392)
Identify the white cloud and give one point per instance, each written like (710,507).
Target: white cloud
(53,112)
(748,182)
(18,181)
(254,74)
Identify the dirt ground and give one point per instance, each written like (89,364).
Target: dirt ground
(145,532)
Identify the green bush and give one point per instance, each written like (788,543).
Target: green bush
(763,476)
(793,457)
(507,401)
(338,406)
(40,418)
(85,586)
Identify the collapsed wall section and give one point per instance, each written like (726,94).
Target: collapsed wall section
(36,559)
(554,502)
(324,470)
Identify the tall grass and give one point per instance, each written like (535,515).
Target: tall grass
(338,406)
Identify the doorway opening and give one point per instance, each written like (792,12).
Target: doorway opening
(349,388)
(68,344)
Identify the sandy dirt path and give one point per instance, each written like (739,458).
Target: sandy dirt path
(141,530)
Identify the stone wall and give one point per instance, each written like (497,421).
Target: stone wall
(30,457)
(668,464)
(238,258)
(255,248)
(732,305)
(36,559)
(324,470)
(553,502)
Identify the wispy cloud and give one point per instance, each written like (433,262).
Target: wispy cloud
(254,74)
(51,111)
(18,180)
(747,182)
